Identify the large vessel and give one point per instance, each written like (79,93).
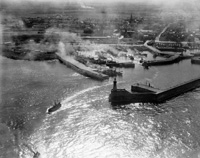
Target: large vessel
(120,64)
(141,93)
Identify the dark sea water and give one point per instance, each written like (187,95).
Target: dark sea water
(87,126)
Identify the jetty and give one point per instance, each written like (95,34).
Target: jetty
(155,50)
(81,68)
(170,60)
(141,93)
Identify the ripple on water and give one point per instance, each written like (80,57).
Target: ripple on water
(86,125)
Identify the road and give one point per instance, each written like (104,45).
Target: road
(156,51)
(158,37)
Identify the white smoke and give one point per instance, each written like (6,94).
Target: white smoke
(82,4)
(61,48)
(67,42)
(70,44)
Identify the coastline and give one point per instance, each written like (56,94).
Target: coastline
(71,63)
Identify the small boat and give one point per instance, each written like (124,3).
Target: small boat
(112,72)
(111,63)
(98,61)
(120,64)
(127,65)
(36,155)
(54,108)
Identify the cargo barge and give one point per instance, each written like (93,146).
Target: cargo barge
(141,93)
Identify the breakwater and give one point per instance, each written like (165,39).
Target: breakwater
(177,90)
(81,68)
(170,60)
(66,60)
(147,94)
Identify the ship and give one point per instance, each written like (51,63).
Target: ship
(120,64)
(55,107)
(146,93)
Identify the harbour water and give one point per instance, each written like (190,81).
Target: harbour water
(87,126)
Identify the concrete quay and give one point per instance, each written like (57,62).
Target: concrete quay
(148,94)
(81,68)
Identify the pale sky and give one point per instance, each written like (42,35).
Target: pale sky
(155,1)
(163,2)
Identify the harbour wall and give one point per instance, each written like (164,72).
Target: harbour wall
(120,96)
(80,68)
(178,90)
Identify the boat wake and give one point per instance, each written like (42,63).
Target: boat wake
(156,74)
(79,93)
(67,102)
(76,74)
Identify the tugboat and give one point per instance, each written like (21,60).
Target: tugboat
(54,108)
(36,155)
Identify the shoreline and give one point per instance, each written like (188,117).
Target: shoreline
(75,65)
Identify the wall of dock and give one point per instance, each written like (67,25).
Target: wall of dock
(124,96)
(178,90)
(80,68)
